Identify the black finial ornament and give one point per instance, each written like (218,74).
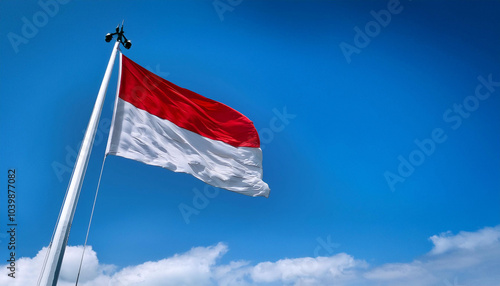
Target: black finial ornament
(121,37)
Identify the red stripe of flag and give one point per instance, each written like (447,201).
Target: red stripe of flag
(185,108)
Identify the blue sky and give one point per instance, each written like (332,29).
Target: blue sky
(354,84)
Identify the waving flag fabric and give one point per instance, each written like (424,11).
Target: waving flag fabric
(161,124)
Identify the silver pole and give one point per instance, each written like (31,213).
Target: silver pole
(58,245)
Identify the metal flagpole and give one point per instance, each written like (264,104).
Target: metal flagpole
(56,249)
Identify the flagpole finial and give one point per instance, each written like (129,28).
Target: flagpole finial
(121,37)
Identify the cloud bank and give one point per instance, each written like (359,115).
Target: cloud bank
(467,258)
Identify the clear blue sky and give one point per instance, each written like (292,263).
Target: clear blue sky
(356,104)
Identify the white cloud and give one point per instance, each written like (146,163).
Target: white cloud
(467,258)
(471,258)
(465,240)
(307,270)
(407,274)
(395,271)
(233,274)
(28,269)
(194,267)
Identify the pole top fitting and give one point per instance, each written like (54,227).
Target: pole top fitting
(120,37)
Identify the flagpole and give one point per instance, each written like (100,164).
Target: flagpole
(59,241)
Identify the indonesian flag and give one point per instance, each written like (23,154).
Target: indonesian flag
(159,123)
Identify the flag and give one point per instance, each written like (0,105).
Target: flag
(159,123)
